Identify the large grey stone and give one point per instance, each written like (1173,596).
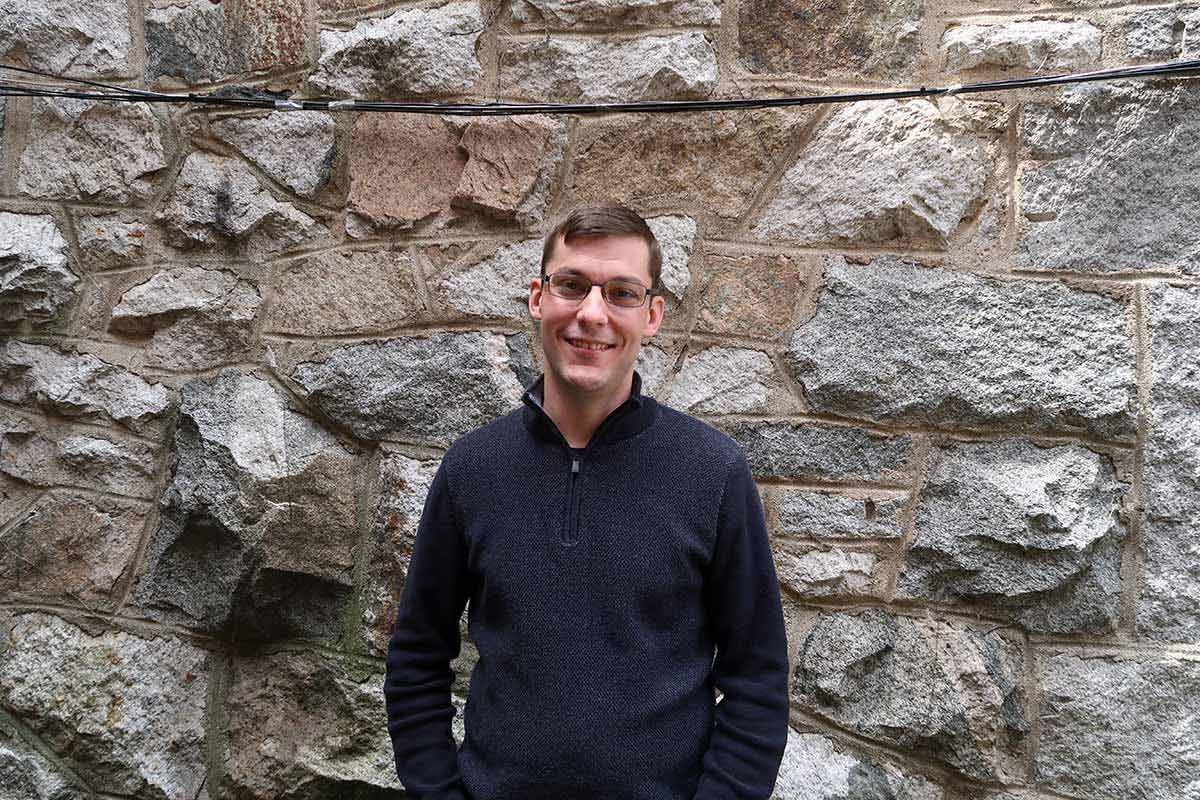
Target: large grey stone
(498,285)
(676,235)
(666,66)
(897,341)
(295,149)
(653,365)
(936,689)
(77,385)
(413,51)
(1119,728)
(841,38)
(66,37)
(26,774)
(72,550)
(403,484)
(1039,45)
(257,527)
(91,150)
(428,390)
(834,572)
(806,449)
(303,725)
(1131,204)
(128,710)
(880,172)
(109,240)
(194,317)
(1030,531)
(1163,33)
(817,767)
(864,514)
(219,202)
(1169,607)
(344,291)
(36,283)
(568,14)
(728,380)
(37,454)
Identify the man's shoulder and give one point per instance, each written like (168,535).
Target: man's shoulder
(697,438)
(498,435)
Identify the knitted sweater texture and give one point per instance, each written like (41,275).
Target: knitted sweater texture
(599,588)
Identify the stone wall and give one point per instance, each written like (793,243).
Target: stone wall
(958,341)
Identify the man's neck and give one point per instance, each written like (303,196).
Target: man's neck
(578,415)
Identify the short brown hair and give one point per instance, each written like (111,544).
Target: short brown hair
(611,219)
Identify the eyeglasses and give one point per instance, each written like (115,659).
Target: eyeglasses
(618,292)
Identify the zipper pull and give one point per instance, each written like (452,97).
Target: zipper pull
(574,465)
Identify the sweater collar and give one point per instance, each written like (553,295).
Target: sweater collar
(631,417)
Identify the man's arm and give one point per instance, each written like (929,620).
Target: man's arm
(424,641)
(751,669)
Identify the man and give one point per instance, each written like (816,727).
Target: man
(607,544)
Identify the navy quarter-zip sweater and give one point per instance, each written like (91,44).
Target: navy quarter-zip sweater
(600,585)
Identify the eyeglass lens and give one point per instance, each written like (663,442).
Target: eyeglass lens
(615,291)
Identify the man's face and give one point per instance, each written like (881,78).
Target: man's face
(568,323)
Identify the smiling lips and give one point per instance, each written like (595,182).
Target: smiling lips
(585,344)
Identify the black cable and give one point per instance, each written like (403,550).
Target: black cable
(124,94)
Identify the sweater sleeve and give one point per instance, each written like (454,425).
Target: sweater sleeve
(425,639)
(751,667)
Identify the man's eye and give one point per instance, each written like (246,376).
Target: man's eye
(626,294)
(571,284)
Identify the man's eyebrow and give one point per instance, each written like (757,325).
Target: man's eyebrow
(575,271)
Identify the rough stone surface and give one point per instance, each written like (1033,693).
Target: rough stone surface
(258,525)
(1129,205)
(1041,45)
(414,51)
(816,767)
(306,726)
(510,165)
(880,172)
(874,38)
(1028,530)
(403,484)
(36,282)
(86,150)
(564,14)
(403,168)
(26,774)
(726,380)
(344,291)
(811,514)
(101,698)
(194,317)
(70,549)
(640,158)
(497,286)
(198,41)
(65,37)
(77,385)
(900,342)
(219,202)
(939,690)
(676,237)
(1120,729)
(428,390)
(804,449)
(668,66)
(825,573)
(1163,33)
(110,240)
(295,149)
(751,294)
(653,364)
(60,457)
(1169,608)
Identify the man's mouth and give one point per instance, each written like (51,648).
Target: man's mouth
(589,345)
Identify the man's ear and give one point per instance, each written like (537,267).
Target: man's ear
(655,318)
(535,298)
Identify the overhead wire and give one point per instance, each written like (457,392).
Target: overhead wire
(100,91)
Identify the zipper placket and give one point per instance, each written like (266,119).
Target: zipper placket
(568,537)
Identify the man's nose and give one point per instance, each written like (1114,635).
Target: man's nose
(593,307)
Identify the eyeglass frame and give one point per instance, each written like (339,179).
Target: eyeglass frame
(603,289)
